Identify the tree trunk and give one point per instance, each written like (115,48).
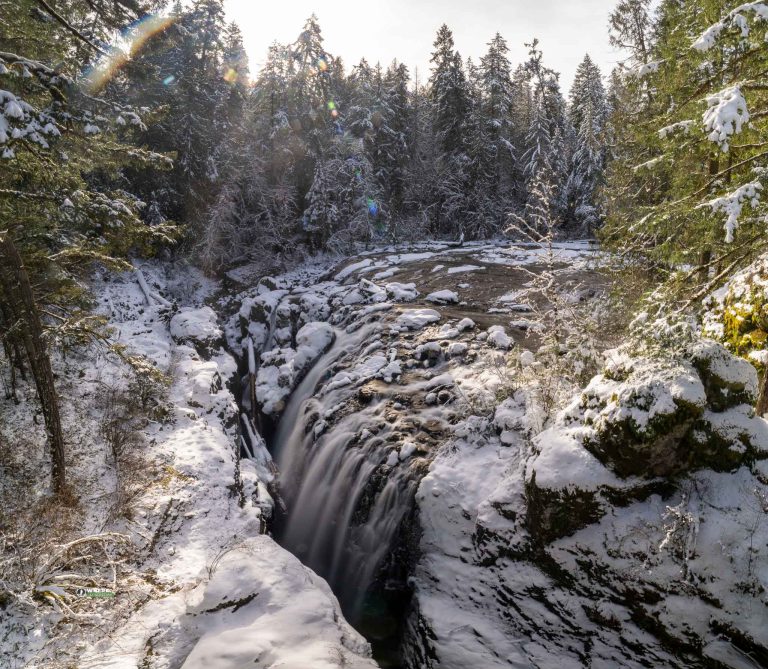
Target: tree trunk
(705,257)
(21,306)
(762,398)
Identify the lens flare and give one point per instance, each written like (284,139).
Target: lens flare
(373,208)
(331,105)
(322,65)
(169,80)
(230,76)
(134,38)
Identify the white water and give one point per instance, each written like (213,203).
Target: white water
(340,522)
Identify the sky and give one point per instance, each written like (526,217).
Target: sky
(405,29)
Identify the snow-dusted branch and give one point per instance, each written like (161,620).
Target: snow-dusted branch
(725,116)
(683,126)
(733,204)
(735,18)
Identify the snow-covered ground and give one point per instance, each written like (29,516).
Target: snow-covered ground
(419,449)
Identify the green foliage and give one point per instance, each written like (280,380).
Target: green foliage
(63,198)
(738,315)
(684,186)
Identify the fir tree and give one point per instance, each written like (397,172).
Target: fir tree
(450,102)
(498,112)
(684,188)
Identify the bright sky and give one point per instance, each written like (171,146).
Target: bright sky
(405,29)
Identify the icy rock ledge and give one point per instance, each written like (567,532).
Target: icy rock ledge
(283,368)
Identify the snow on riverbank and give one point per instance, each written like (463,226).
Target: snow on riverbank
(195,514)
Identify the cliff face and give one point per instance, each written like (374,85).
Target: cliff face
(630,533)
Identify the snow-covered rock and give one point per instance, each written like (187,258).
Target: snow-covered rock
(443,297)
(598,569)
(198,327)
(416,319)
(282,368)
(498,337)
(402,292)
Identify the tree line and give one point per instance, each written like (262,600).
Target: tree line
(317,155)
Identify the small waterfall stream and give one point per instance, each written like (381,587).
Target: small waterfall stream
(345,504)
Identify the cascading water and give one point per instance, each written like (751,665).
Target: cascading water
(345,504)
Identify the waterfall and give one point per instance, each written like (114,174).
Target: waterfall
(344,504)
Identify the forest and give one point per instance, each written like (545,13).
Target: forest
(310,363)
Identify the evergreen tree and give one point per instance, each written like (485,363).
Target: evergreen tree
(62,202)
(548,142)
(449,94)
(587,113)
(343,202)
(498,112)
(396,136)
(450,101)
(421,181)
(630,29)
(522,112)
(362,100)
(685,186)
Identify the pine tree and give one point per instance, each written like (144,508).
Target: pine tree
(522,112)
(547,156)
(497,94)
(396,135)
(448,93)
(421,174)
(630,29)
(358,114)
(450,102)
(343,201)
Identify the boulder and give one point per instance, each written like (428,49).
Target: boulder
(199,328)
(638,423)
(728,380)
